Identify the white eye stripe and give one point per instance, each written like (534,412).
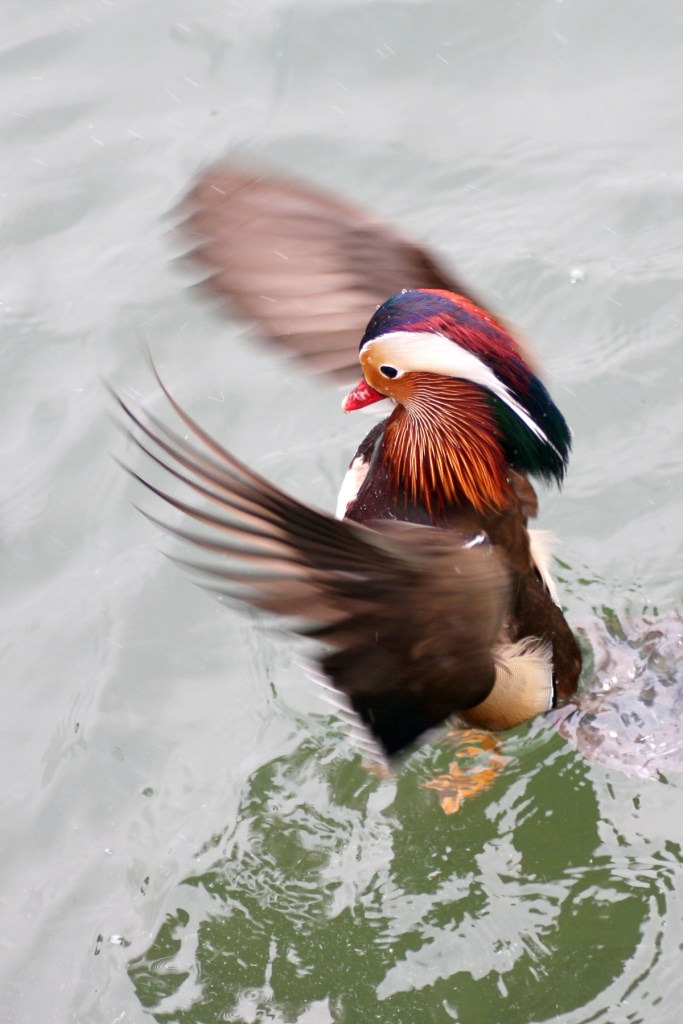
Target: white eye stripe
(426,352)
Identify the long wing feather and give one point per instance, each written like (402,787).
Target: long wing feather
(409,617)
(309,269)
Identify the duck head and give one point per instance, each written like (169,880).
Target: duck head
(469,407)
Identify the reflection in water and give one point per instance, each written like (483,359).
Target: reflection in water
(339,895)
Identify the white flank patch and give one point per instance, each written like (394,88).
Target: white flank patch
(351,485)
(540,548)
(424,352)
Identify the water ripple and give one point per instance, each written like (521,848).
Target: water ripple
(343,889)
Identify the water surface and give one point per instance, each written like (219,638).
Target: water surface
(188,835)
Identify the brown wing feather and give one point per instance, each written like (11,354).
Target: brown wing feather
(309,269)
(410,615)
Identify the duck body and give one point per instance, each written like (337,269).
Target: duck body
(428,591)
(450,468)
(533,612)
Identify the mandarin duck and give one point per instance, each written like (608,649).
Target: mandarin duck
(428,593)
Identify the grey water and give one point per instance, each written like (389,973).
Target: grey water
(188,834)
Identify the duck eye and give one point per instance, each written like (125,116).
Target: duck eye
(389,371)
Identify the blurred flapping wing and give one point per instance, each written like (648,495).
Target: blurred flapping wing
(308,269)
(408,615)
